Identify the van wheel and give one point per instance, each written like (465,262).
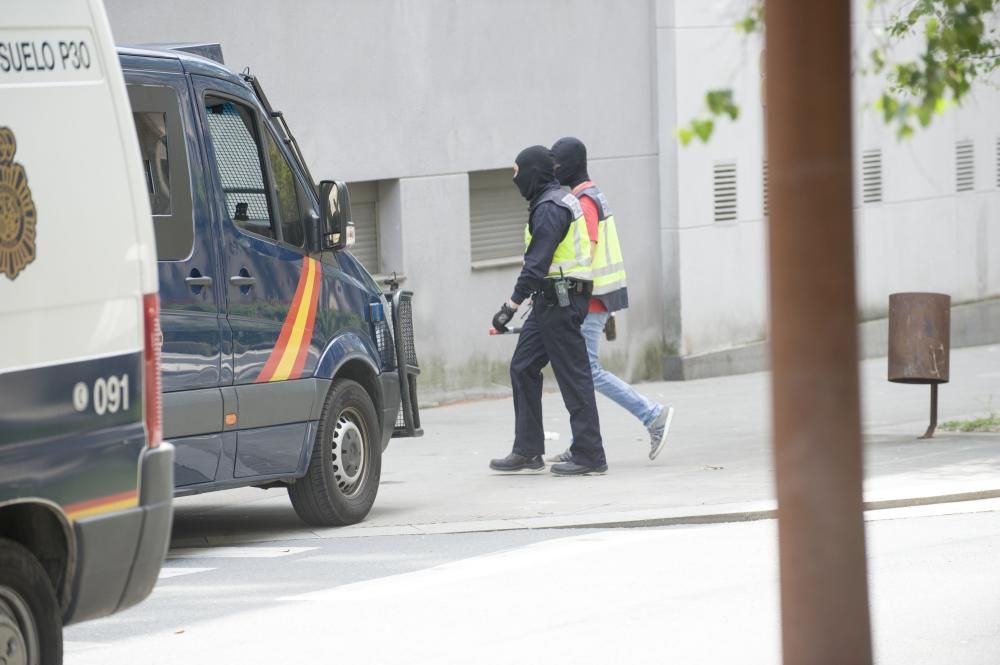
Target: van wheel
(30,627)
(341,482)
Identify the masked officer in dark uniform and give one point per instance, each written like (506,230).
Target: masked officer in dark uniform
(557,276)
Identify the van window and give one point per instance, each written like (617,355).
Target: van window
(238,162)
(292,228)
(158,125)
(152,131)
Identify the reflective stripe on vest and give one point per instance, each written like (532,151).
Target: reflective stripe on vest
(572,255)
(608,265)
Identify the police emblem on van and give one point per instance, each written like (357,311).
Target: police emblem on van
(17,211)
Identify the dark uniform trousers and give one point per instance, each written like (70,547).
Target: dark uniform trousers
(552,334)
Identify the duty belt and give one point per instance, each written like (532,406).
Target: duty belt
(580,286)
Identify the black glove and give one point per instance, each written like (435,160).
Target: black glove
(502,318)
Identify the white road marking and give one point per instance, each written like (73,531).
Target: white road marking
(167,573)
(237,552)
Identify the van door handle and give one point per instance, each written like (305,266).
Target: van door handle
(204,280)
(242,280)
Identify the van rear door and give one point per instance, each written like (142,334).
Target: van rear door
(191,290)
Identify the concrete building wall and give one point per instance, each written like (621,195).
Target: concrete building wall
(922,236)
(721,269)
(399,88)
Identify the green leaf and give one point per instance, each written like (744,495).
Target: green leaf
(878,60)
(703,129)
(924,114)
(684,135)
(889,106)
(931,28)
(753,20)
(720,102)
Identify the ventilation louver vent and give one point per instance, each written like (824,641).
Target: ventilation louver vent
(497,215)
(871,175)
(965,172)
(767,211)
(724,191)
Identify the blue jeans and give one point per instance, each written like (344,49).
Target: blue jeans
(607,383)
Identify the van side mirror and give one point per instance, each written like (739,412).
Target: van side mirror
(336,227)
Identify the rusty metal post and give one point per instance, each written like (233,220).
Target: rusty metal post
(933,424)
(813,336)
(920,342)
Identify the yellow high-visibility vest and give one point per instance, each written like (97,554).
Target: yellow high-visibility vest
(572,255)
(608,266)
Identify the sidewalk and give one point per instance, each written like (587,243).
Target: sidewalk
(716,465)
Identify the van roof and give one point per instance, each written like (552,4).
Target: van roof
(186,56)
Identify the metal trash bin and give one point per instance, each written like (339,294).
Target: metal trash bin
(920,342)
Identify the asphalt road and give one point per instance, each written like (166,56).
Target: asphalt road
(686,594)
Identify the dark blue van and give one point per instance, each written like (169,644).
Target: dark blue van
(283,362)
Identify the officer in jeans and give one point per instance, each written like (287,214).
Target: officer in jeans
(610,292)
(557,276)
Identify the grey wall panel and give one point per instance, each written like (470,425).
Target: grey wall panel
(394,88)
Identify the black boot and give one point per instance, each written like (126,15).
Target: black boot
(515,462)
(574,469)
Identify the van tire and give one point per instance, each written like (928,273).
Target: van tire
(342,479)
(29,611)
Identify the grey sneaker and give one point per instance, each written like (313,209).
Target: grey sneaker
(658,431)
(564,456)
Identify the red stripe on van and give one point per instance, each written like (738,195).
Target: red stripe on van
(286,328)
(300,358)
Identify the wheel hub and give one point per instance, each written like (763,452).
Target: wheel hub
(348,453)
(14,639)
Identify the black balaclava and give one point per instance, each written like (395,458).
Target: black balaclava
(535,170)
(571,161)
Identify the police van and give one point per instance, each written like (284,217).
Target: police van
(85,482)
(284,364)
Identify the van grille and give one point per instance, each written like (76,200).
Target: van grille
(401,416)
(404,331)
(383,340)
(408,420)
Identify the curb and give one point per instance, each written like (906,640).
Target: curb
(697,515)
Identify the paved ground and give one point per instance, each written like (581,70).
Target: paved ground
(716,467)
(684,594)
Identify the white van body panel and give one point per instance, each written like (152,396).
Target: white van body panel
(86,485)
(63,97)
